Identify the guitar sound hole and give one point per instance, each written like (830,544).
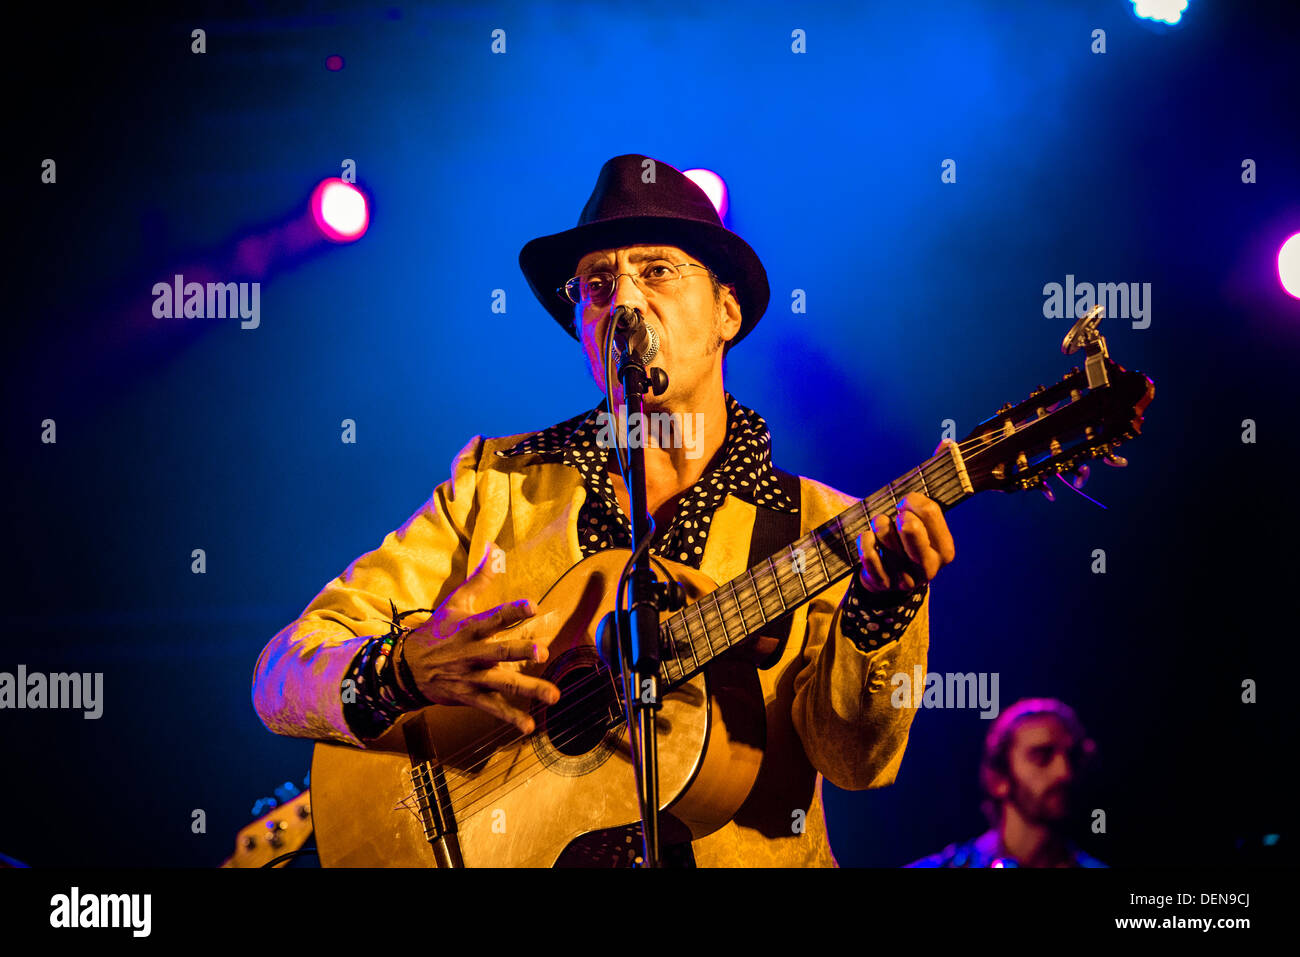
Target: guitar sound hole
(579,721)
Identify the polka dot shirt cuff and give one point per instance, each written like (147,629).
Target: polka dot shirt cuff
(872,620)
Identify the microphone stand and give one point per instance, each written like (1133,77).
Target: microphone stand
(639,624)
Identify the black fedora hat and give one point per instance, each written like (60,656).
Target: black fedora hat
(626,210)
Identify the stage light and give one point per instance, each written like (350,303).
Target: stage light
(1288,265)
(713,187)
(340,210)
(334,62)
(1166,11)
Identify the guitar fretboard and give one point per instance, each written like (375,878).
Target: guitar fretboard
(704,629)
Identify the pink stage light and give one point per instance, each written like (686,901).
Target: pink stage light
(341,211)
(1288,265)
(714,187)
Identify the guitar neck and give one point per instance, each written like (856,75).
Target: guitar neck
(704,629)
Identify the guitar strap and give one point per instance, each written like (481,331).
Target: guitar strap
(774,530)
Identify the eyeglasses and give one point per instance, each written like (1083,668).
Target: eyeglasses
(598,288)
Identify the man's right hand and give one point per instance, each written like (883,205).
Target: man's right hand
(464,655)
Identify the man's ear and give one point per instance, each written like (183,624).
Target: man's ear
(1001,787)
(731,316)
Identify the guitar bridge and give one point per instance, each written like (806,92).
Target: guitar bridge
(429,787)
(432,799)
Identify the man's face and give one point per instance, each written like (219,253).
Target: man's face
(1042,760)
(690,323)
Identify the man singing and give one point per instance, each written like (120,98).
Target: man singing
(519,511)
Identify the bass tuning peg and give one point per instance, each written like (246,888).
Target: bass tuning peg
(1079,476)
(1115,461)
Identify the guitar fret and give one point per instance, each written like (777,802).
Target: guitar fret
(703,628)
(716,606)
(866,519)
(739,594)
(758,600)
(704,624)
(669,640)
(838,522)
(722,620)
(740,600)
(799,578)
(817,547)
(764,614)
(778,586)
(690,639)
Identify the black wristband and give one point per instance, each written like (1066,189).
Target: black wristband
(404,677)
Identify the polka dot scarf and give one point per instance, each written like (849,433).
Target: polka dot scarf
(745,471)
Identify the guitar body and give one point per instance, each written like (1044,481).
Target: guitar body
(510,800)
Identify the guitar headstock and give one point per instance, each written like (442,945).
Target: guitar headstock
(286,827)
(1057,428)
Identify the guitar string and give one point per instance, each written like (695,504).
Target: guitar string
(463,802)
(467,790)
(987,442)
(753,600)
(472,791)
(466,808)
(473,796)
(736,617)
(512,778)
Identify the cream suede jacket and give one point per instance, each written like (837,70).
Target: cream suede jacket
(827,703)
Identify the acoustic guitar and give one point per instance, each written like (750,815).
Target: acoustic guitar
(439,787)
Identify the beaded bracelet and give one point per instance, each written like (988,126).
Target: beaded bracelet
(391,679)
(381,695)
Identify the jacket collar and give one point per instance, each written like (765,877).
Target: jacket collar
(747,451)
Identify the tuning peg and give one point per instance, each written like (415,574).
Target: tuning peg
(1115,461)
(1079,476)
(1047,491)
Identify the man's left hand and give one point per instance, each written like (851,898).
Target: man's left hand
(915,545)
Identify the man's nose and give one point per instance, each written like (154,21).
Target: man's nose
(626,293)
(1064,770)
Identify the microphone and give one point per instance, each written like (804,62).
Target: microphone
(633,335)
